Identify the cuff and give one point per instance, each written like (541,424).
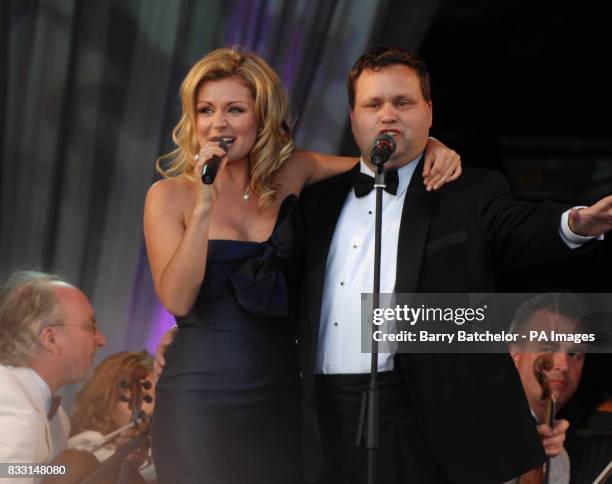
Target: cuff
(572,240)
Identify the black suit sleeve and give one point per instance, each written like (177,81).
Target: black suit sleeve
(519,233)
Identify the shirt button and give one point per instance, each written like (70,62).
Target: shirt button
(335,324)
(342,283)
(370,212)
(296,341)
(354,246)
(301,375)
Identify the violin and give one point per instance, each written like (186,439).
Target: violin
(543,363)
(84,467)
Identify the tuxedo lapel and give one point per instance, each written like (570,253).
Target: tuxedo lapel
(323,212)
(419,205)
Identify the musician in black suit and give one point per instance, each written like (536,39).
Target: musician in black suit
(444,418)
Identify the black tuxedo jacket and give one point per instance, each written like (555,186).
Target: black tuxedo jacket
(470,409)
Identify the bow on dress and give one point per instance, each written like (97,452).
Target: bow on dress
(260,284)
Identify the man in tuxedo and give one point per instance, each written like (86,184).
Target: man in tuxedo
(444,418)
(48,338)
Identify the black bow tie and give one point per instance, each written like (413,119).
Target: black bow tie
(55,403)
(364,184)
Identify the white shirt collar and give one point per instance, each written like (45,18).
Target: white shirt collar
(405,173)
(44,389)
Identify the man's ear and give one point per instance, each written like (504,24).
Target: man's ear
(48,339)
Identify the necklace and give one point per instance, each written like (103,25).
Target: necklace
(245,195)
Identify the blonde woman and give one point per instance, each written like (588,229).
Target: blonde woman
(225,261)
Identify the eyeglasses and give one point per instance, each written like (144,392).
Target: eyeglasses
(91,327)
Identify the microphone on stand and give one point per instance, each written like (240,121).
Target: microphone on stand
(384,146)
(210,169)
(368,430)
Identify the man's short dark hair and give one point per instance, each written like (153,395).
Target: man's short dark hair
(565,304)
(377,58)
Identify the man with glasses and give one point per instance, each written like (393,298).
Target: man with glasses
(48,338)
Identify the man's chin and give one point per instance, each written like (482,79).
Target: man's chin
(396,161)
(395,164)
(85,375)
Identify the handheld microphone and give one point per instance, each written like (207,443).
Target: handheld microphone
(210,169)
(384,146)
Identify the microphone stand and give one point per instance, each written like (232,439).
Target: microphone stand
(370,399)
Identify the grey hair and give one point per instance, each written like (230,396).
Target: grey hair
(27,305)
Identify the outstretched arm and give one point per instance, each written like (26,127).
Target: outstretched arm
(594,220)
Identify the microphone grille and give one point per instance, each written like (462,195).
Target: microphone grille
(385,141)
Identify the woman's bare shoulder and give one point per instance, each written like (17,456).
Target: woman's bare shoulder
(170,193)
(170,187)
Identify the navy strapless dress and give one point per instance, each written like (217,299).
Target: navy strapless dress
(227,401)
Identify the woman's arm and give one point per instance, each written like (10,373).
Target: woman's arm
(315,166)
(442,165)
(177,254)
(177,249)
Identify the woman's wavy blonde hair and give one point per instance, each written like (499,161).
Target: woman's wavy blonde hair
(273,144)
(94,407)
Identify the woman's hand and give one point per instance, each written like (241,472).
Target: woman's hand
(207,195)
(441,166)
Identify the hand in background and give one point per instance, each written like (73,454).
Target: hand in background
(553,438)
(160,351)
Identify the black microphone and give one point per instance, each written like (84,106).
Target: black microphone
(210,169)
(384,146)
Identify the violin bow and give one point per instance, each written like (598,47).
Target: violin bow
(542,364)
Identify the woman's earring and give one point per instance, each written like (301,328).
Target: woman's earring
(196,156)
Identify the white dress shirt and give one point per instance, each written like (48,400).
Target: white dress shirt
(350,271)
